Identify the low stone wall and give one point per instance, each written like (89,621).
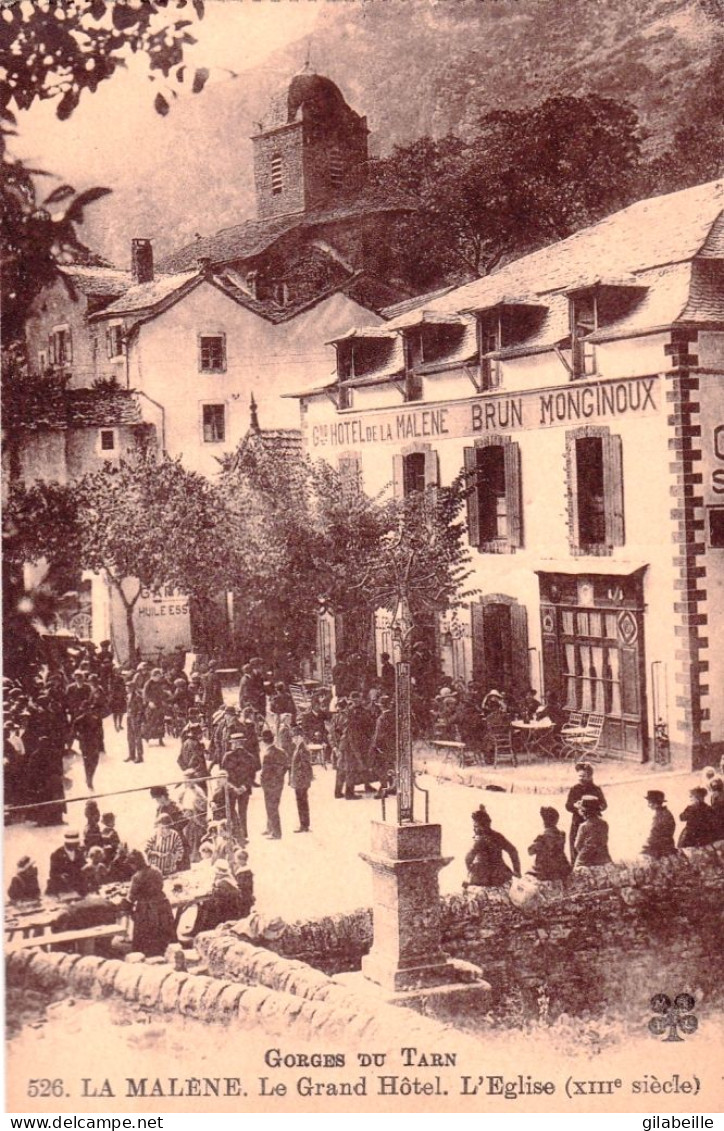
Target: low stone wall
(290,1000)
(560,934)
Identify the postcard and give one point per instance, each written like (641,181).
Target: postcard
(363,540)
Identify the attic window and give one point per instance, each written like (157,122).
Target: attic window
(277,183)
(107,440)
(584,321)
(336,166)
(489,341)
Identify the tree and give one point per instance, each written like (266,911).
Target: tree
(313,539)
(526,178)
(145,524)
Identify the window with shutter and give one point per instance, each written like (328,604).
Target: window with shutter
(595,490)
(494,506)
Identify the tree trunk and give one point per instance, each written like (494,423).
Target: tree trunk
(131,633)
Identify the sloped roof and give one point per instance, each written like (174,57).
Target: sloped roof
(652,233)
(72,408)
(101,282)
(280,441)
(145,296)
(252,237)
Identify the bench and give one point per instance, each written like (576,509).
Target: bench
(84,939)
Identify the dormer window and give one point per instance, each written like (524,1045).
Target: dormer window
(281,294)
(413,358)
(584,321)
(277,180)
(489,341)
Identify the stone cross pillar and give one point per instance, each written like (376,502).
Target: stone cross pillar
(405,862)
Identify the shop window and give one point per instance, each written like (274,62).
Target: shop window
(277,181)
(212,353)
(595,490)
(494,500)
(415,470)
(584,321)
(716,528)
(214,423)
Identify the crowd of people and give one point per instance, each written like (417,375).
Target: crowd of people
(702,824)
(272,735)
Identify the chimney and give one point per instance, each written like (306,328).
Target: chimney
(141,261)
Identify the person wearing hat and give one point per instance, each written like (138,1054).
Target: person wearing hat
(212,696)
(660,841)
(591,846)
(134,721)
(716,804)
(193,753)
(549,849)
(225,724)
(225,903)
(383,749)
(585,786)
(117,696)
(155,698)
(153,924)
(165,850)
(240,764)
(66,867)
(301,777)
(24,884)
(484,862)
(164,804)
(387,674)
(274,767)
(92,834)
(698,829)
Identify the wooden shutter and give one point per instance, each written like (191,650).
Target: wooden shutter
(519,649)
(398,477)
(513,497)
(477,629)
(613,489)
(552,675)
(51,349)
(470,456)
(69,346)
(432,468)
(572,476)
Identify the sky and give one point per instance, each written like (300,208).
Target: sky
(94,146)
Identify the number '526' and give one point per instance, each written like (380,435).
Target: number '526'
(46,1088)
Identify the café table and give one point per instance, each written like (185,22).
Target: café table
(532,734)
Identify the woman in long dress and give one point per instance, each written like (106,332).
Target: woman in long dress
(153,924)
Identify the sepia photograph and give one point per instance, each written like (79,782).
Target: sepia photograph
(363,557)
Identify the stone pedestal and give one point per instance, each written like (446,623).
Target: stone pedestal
(405,862)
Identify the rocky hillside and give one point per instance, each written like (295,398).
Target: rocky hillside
(420,67)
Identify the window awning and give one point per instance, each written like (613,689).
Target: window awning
(586,567)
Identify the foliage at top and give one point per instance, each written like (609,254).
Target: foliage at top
(56,49)
(527,177)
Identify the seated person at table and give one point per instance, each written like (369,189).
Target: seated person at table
(24,884)
(530,706)
(226,903)
(549,849)
(66,868)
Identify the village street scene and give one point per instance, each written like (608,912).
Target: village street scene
(363,545)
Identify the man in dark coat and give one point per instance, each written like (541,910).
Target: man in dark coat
(584,787)
(66,866)
(134,721)
(274,766)
(698,828)
(660,840)
(240,765)
(383,748)
(193,753)
(212,694)
(387,674)
(356,745)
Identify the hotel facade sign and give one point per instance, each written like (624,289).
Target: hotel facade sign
(526,411)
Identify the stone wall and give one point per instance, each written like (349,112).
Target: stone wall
(565,936)
(287,999)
